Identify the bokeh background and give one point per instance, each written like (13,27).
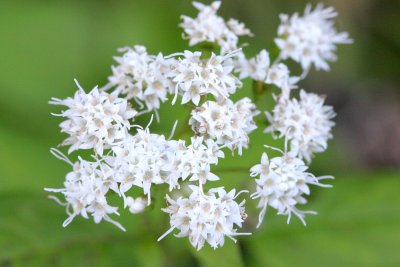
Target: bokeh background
(46,44)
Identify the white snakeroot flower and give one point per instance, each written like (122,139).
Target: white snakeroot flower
(195,76)
(311,38)
(85,190)
(225,122)
(206,217)
(142,160)
(195,160)
(136,205)
(209,27)
(282,185)
(141,76)
(255,68)
(94,120)
(305,123)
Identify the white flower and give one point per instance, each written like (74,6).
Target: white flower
(95,120)
(85,190)
(238,28)
(206,217)
(306,123)
(209,27)
(142,76)
(279,75)
(283,182)
(310,39)
(195,76)
(195,160)
(142,160)
(226,122)
(256,68)
(136,205)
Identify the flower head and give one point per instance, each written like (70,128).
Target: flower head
(206,217)
(225,122)
(306,123)
(195,76)
(311,38)
(142,76)
(94,120)
(85,190)
(209,27)
(282,184)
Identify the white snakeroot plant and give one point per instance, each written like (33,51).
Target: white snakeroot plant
(129,160)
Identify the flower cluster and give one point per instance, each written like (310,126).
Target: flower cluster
(283,182)
(210,28)
(196,77)
(306,123)
(141,76)
(129,160)
(311,38)
(95,120)
(226,122)
(206,217)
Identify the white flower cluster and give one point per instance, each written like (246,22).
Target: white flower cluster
(283,182)
(141,76)
(211,28)
(195,77)
(95,120)
(311,38)
(306,123)
(85,188)
(206,217)
(226,122)
(128,158)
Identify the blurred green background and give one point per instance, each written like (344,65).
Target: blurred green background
(46,44)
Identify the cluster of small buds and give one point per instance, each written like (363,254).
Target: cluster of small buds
(206,217)
(127,156)
(226,122)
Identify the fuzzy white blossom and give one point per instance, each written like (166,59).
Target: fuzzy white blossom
(209,27)
(94,120)
(195,160)
(310,39)
(141,76)
(195,76)
(85,190)
(142,160)
(255,68)
(282,184)
(306,123)
(226,122)
(206,217)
